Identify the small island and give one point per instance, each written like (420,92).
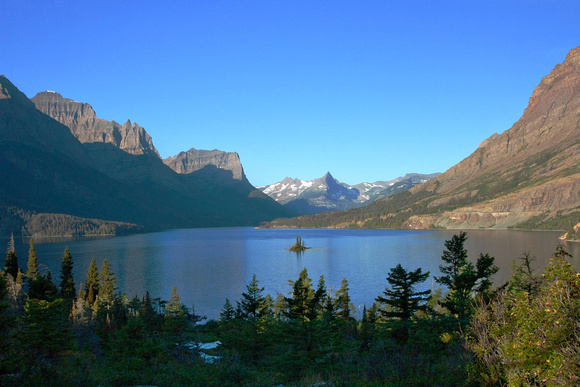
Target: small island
(298,246)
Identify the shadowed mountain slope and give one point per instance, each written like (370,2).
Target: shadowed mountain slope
(45,169)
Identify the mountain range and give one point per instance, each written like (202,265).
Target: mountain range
(328,194)
(525,177)
(61,165)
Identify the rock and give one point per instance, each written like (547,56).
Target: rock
(196,159)
(84,124)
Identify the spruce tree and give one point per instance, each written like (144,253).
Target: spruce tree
(41,287)
(343,300)
(11,243)
(107,284)
(174,307)
(92,284)
(462,278)
(317,304)
(401,296)
(252,302)
(67,284)
(11,262)
(300,303)
(32,262)
(228,312)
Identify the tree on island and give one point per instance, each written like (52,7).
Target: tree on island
(298,246)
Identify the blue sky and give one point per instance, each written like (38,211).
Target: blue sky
(368,90)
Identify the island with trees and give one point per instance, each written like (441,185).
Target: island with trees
(299,246)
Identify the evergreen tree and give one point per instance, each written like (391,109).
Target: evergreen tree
(252,302)
(32,262)
(147,312)
(6,323)
(300,303)
(461,277)
(107,282)
(174,307)
(11,264)
(401,296)
(524,277)
(67,285)
(46,329)
(41,287)
(11,243)
(228,312)
(343,304)
(316,306)
(92,284)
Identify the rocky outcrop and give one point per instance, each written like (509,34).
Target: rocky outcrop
(196,159)
(84,124)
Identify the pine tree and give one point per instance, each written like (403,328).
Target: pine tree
(46,329)
(67,285)
(107,284)
(455,257)
(402,297)
(32,262)
(173,308)
(252,301)
(300,303)
(11,263)
(228,312)
(343,304)
(11,243)
(461,277)
(92,285)
(316,306)
(41,287)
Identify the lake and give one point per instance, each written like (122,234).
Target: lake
(208,265)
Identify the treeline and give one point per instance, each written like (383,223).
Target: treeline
(32,224)
(525,332)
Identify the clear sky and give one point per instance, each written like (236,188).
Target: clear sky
(368,90)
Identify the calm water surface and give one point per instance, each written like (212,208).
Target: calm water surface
(208,265)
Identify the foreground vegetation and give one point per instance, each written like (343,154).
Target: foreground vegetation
(526,332)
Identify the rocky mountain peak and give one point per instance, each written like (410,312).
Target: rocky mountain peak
(196,159)
(84,124)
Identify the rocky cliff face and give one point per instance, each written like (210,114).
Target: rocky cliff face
(529,170)
(529,174)
(87,127)
(196,159)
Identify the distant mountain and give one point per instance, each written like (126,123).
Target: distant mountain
(528,176)
(118,177)
(328,194)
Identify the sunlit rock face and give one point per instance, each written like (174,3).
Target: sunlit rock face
(196,159)
(84,124)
